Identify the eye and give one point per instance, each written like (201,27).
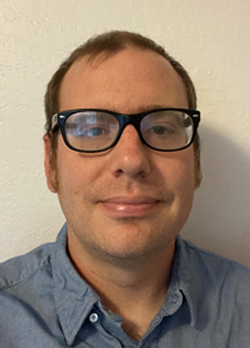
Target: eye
(82,129)
(93,131)
(160,130)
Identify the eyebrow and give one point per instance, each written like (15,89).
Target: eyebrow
(154,106)
(145,108)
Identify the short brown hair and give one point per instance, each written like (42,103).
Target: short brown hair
(111,43)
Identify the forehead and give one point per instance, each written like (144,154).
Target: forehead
(127,81)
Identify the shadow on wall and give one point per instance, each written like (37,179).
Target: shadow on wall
(220,220)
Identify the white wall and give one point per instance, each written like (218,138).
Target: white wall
(210,38)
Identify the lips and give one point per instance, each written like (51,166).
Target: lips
(122,206)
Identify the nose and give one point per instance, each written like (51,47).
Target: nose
(130,156)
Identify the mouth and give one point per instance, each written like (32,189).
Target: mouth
(123,206)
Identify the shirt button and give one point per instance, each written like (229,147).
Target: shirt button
(93,317)
(175,298)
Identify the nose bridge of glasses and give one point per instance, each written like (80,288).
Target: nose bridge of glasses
(125,120)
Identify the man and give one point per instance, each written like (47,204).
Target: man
(122,154)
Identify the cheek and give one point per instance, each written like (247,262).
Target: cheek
(178,169)
(189,164)
(77,175)
(68,167)
(181,179)
(187,172)
(184,186)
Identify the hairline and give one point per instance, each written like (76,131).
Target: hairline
(93,61)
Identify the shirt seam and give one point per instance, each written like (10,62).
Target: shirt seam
(9,286)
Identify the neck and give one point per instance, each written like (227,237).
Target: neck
(135,293)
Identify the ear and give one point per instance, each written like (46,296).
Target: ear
(49,167)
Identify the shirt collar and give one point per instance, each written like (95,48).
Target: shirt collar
(73,296)
(185,285)
(75,299)
(186,276)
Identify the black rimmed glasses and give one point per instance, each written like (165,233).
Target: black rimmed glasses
(97,130)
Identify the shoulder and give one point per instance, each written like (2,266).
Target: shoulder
(217,291)
(215,268)
(21,268)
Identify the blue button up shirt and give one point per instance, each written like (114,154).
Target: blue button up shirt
(44,303)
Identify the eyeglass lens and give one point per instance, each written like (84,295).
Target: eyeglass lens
(98,130)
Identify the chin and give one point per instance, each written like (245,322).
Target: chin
(129,255)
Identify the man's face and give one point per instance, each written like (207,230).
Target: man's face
(129,201)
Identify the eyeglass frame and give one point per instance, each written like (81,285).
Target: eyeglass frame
(59,119)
